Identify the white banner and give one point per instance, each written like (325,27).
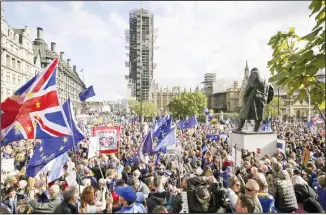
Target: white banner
(92,147)
(7,165)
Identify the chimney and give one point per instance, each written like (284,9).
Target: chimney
(235,84)
(74,68)
(62,55)
(53,45)
(39,33)
(68,62)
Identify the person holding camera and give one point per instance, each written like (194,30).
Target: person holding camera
(204,195)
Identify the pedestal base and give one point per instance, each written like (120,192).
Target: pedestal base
(251,141)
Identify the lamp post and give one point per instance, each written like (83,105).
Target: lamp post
(309,105)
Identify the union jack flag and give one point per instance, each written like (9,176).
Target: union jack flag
(34,111)
(316,119)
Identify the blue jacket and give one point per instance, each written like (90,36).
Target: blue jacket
(136,208)
(321,193)
(267,203)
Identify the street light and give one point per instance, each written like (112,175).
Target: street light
(309,104)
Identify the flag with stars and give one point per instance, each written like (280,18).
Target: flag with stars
(34,111)
(49,149)
(184,124)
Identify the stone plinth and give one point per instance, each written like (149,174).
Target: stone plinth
(251,141)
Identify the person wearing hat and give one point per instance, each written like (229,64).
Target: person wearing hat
(127,199)
(252,189)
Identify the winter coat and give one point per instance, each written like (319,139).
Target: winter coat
(255,97)
(164,198)
(46,207)
(267,203)
(66,208)
(281,188)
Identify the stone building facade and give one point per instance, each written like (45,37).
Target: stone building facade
(226,101)
(18,64)
(165,96)
(69,83)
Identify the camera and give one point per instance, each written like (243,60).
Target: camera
(221,195)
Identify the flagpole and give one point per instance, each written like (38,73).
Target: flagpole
(74,144)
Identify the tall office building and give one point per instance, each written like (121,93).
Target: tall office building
(140,38)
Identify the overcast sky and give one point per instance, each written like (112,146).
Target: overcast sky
(193,37)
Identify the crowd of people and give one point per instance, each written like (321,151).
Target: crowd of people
(194,181)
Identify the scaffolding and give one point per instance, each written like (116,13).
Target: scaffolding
(140,39)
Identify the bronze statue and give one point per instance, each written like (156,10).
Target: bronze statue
(258,93)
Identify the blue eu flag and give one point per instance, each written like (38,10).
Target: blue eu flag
(51,148)
(192,122)
(89,92)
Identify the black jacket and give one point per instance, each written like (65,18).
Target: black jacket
(193,203)
(163,198)
(66,208)
(97,171)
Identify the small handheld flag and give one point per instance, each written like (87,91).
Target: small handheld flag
(86,94)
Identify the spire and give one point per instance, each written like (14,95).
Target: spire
(247,70)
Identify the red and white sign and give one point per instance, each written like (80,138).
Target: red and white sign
(108,138)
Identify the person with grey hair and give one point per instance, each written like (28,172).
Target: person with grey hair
(69,203)
(50,206)
(139,186)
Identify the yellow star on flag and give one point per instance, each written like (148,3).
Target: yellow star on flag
(38,104)
(61,148)
(41,148)
(65,139)
(29,128)
(29,95)
(18,127)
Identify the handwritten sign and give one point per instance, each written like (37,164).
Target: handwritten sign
(7,165)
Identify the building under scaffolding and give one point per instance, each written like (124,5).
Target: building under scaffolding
(140,37)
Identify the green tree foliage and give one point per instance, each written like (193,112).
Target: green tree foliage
(149,109)
(272,107)
(296,60)
(188,104)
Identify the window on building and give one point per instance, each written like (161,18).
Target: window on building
(18,79)
(18,65)
(8,60)
(8,76)
(13,78)
(13,61)
(8,92)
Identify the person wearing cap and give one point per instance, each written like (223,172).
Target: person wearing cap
(245,205)
(252,189)
(127,199)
